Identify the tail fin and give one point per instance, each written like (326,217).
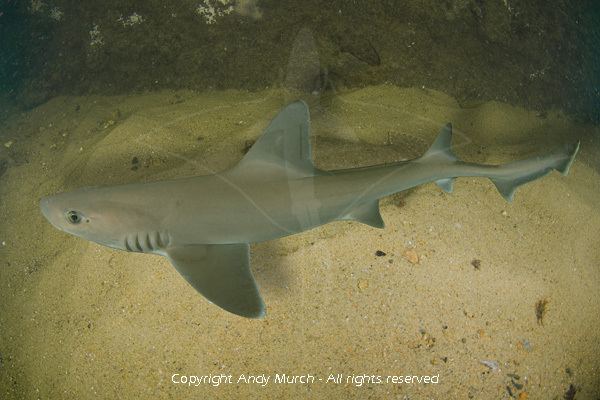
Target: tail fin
(520,172)
(507,177)
(440,151)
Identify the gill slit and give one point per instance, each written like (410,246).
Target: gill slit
(146,241)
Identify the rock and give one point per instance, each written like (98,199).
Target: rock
(411,256)
(363,284)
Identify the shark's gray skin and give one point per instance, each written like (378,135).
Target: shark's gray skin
(204,225)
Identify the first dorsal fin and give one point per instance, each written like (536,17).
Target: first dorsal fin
(440,149)
(284,147)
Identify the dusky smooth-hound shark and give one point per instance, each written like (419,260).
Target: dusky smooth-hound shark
(204,224)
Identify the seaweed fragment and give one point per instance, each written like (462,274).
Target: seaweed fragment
(3,167)
(491,364)
(510,392)
(570,393)
(135,163)
(540,310)
(247,145)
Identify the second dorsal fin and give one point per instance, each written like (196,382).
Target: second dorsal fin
(284,147)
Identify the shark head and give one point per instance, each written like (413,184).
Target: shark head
(91,214)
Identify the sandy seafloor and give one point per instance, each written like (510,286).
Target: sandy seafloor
(78,320)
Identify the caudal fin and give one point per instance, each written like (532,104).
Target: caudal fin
(507,177)
(517,173)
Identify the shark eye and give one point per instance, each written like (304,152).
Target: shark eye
(74,217)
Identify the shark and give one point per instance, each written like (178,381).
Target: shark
(204,225)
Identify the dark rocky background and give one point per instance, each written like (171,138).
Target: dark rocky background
(537,54)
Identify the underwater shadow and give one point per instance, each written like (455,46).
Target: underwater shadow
(270,267)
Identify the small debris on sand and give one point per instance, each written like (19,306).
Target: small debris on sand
(491,364)
(516,384)
(524,345)
(570,393)
(3,167)
(523,396)
(363,284)
(509,391)
(380,253)
(427,341)
(540,311)
(476,264)
(513,380)
(411,256)
(107,124)
(247,145)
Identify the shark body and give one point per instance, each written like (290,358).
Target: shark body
(204,224)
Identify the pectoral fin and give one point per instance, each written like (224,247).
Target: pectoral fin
(221,273)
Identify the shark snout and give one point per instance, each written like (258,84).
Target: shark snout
(45,207)
(50,211)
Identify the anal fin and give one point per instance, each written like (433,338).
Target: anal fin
(367,213)
(221,273)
